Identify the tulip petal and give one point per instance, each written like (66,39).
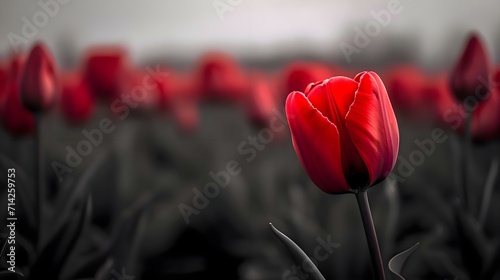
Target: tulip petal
(339,94)
(373,127)
(316,141)
(472,67)
(486,118)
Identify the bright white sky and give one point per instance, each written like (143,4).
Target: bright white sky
(256,27)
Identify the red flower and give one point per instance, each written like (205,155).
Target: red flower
(439,97)
(470,77)
(14,116)
(496,79)
(486,118)
(450,112)
(261,99)
(142,91)
(345,132)
(39,86)
(4,81)
(299,75)
(104,69)
(77,102)
(177,96)
(220,77)
(405,87)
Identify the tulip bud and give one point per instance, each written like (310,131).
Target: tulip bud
(299,75)
(39,85)
(496,79)
(471,74)
(77,102)
(15,117)
(220,77)
(260,101)
(438,95)
(142,91)
(405,88)
(4,78)
(344,132)
(104,72)
(178,97)
(485,124)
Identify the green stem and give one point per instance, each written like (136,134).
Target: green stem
(488,192)
(39,192)
(466,157)
(371,235)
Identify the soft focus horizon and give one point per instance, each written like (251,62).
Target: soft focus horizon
(256,29)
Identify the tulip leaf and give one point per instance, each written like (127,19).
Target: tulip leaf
(298,254)
(23,189)
(9,275)
(70,197)
(57,250)
(397,262)
(476,249)
(3,239)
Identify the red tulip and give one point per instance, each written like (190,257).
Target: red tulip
(4,79)
(486,119)
(405,87)
(496,79)
(14,116)
(39,86)
(220,77)
(470,76)
(15,66)
(177,96)
(344,132)
(142,90)
(77,102)
(299,75)
(104,69)
(438,95)
(485,124)
(261,102)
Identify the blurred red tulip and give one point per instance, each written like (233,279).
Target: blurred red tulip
(104,70)
(438,95)
(486,118)
(39,85)
(77,102)
(405,88)
(470,76)
(186,114)
(4,78)
(220,77)
(450,112)
(261,99)
(178,96)
(15,66)
(141,90)
(14,116)
(299,75)
(496,79)
(344,132)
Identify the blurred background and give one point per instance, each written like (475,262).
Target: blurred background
(125,182)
